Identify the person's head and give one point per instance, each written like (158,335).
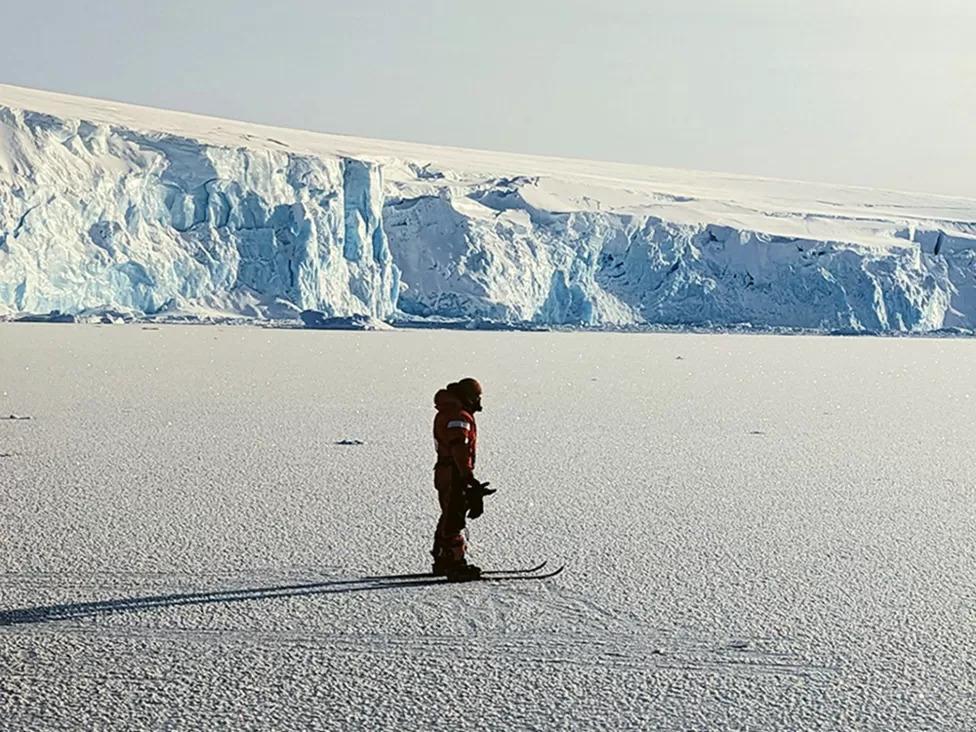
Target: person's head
(468,391)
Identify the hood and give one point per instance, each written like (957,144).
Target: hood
(445,401)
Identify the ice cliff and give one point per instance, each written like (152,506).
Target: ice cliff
(96,216)
(105,206)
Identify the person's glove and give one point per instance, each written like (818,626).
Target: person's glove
(474,497)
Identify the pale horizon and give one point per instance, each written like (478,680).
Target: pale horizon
(871,96)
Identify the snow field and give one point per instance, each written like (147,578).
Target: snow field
(761,532)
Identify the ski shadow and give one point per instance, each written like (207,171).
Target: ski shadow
(77,610)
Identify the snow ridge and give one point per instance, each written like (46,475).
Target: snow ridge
(118,208)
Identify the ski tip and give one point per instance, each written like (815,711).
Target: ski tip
(547,575)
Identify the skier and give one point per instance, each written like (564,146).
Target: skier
(460,494)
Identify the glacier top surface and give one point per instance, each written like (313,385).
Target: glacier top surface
(816,210)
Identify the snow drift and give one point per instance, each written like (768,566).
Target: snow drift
(111,207)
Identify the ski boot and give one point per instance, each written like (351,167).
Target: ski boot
(462,571)
(449,559)
(455,570)
(442,564)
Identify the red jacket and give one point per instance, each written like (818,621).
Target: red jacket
(455,433)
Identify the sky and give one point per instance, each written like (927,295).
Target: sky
(864,92)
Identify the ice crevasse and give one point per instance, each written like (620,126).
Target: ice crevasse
(105,206)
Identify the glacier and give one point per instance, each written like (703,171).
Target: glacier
(109,207)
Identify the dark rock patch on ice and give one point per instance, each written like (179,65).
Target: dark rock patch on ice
(319,321)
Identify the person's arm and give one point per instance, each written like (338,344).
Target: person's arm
(459,437)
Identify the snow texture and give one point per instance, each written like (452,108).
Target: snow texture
(767,533)
(112,207)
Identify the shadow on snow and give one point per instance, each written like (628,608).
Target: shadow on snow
(70,611)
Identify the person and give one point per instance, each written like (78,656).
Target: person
(459,493)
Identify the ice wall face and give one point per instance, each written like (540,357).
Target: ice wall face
(93,216)
(109,206)
(599,269)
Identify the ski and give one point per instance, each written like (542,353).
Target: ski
(430,575)
(497,575)
(528,570)
(512,576)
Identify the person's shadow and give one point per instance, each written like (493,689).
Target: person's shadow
(74,610)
